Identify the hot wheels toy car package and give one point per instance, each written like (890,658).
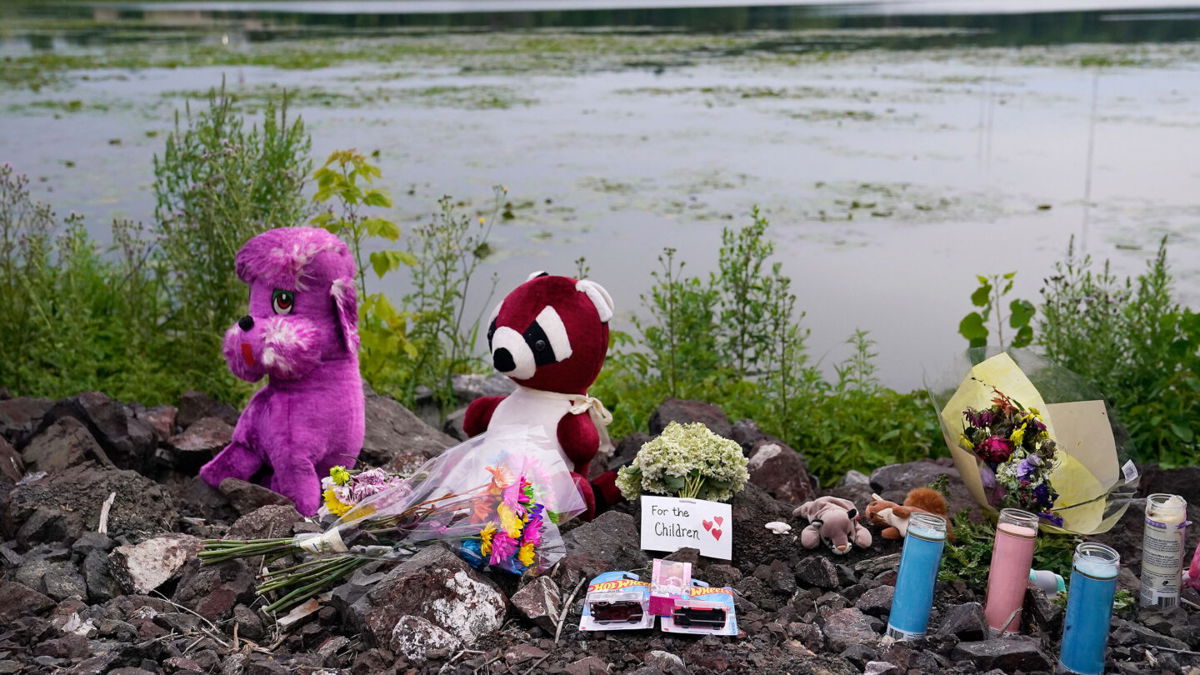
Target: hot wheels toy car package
(617,601)
(706,611)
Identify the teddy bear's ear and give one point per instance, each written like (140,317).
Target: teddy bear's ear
(852,513)
(599,297)
(539,273)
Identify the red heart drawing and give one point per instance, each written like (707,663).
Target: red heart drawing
(707,524)
(719,519)
(716,533)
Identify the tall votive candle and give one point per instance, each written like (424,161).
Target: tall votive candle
(1012,558)
(1089,608)
(919,563)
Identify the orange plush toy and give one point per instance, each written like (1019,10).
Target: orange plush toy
(894,517)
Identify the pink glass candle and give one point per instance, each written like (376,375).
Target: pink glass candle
(1012,557)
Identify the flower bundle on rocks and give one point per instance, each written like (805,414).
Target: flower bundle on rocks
(686,460)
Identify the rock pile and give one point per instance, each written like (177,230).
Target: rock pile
(101,514)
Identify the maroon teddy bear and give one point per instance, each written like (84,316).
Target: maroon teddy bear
(550,336)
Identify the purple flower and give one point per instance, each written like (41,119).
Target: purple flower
(1028,467)
(1044,495)
(980,418)
(987,477)
(1051,518)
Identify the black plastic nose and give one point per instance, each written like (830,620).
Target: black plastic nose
(246,323)
(503,360)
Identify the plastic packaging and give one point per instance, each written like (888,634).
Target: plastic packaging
(705,611)
(616,601)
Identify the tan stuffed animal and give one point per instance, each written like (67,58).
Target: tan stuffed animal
(894,517)
(834,521)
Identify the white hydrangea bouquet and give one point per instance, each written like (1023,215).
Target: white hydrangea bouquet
(688,461)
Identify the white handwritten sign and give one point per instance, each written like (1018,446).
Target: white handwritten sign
(669,524)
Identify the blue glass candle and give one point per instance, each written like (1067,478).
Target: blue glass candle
(1089,608)
(919,562)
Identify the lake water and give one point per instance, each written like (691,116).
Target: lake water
(898,149)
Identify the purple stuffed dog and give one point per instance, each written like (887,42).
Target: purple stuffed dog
(302,331)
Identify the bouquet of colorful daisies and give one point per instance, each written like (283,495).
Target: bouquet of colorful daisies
(496,505)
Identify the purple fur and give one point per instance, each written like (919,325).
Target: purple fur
(309,417)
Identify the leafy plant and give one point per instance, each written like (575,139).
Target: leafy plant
(688,461)
(1132,340)
(968,557)
(346,180)
(989,298)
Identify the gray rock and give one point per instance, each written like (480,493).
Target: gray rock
(687,411)
(665,661)
(965,622)
(777,577)
(12,467)
(63,506)
(63,444)
(18,600)
(250,626)
(433,601)
(97,574)
(855,478)
(92,541)
(249,497)
(1130,633)
(453,426)
(57,579)
(540,601)
(127,440)
(859,654)
(194,405)
(817,571)
(879,668)
(722,575)
(893,482)
(197,444)
(628,448)
(781,471)
(20,417)
(212,591)
(846,627)
(397,439)
(1044,614)
(146,566)
(1007,654)
(877,601)
(266,522)
(612,537)
(161,419)
(588,665)
(469,387)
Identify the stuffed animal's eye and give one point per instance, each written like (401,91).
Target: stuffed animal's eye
(540,346)
(283,302)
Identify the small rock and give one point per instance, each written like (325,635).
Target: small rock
(879,668)
(150,564)
(63,444)
(396,438)
(432,601)
(12,467)
(198,443)
(540,601)
(588,665)
(265,522)
(687,411)
(212,591)
(18,600)
(102,586)
(817,571)
(877,601)
(859,654)
(248,497)
(1043,613)
(20,418)
(665,661)
(1130,633)
(777,577)
(781,471)
(627,449)
(965,622)
(93,541)
(161,419)
(612,537)
(846,627)
(250,626)
(69,646)
(521,653)
(57,579)
(194,406)
(686,554)
(127,440)
(722,575)
(1007,654)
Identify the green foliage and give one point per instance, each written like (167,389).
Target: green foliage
(734,339)
(441,337)
(145,321)
(345,180)
(1136,344)
(989,298)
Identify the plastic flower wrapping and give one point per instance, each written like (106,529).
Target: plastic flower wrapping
(496,499)
(1028,434)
